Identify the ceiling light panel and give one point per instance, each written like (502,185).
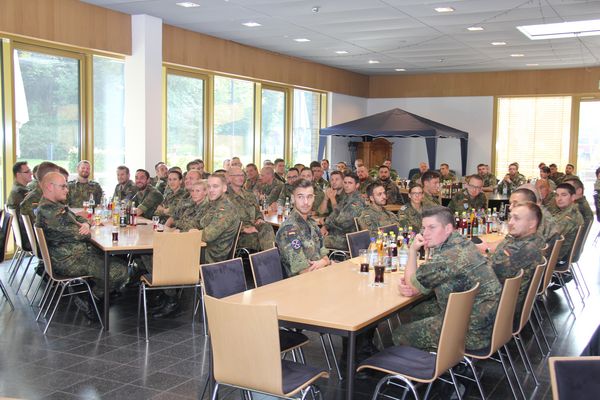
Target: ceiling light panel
(561,30)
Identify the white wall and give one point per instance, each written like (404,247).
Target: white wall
(471,114)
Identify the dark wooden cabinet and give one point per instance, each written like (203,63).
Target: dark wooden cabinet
(375,152)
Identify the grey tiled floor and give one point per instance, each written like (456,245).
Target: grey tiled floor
(76,360)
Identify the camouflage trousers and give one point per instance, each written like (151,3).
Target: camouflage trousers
(423,330)
(336,242)
(93,265)
(264,239)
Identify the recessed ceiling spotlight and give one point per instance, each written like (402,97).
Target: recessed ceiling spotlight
(341,52)
(517,55)
(373,62)
(316,9)
(251,24)
(302,40)
(498,43)
(400,69)
(444,9)
(532,65)
(475,28)
(187,4)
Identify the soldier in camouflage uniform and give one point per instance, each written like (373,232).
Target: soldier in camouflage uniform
(177,211)
(299,239)
(307,174)
(489,180)
(582,205)
(409,215)
(256,233)
(569,218)
(512,180)
(455,266)
(423,167)
(148,198)
(445,175)
(220,221)
(548,229)
(555,176)
(521,249)
(545,175)
(279,168)
(30,202)
(318,179)
(268,188)
(172,197)
(471,197)
(431,189)
(81,188)
(196,204)
(160,180)
(391,189)
(286,192)
(341,220)
(546,194)
(364,179)
(251,173)
(334,194)
(375,215)
(125,188)
(22,176)
(68,239)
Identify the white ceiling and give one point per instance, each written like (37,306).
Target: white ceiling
(406,34)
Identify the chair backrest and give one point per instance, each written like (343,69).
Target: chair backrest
(357,241)
(266,267)
(356,225)
(574,377)
(390,228)
(15,227)
(223,278)
(585,234)
(505,313)
(176,258)
(30,234)
(532,291)
(234,248)
(551,265)
(43,245)
(245,345)
(6,226)
(451,344)
(577,244)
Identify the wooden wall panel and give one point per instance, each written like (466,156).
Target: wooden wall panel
(192,49)
(505,83)
(69,22)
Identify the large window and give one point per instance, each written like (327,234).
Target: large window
(589,144)
(109,120)
(531,130)
(306,124)
(233,120)
(272,125)
(47,107)
(185,119)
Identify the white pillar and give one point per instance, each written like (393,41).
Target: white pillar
(143,94)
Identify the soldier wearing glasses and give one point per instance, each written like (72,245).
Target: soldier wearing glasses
(471,197)
(410,214)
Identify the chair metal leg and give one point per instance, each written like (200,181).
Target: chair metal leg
(335,361)
(24,274)
(578,285)
(477,381)
(525,358)
(512,365)
(15,256)
(44,298)
(143,285)
(566,292)
(503,362)
(587,289)
(538,320)
(456,388)
(49,303)
(204,321)
(94,303)
(301,356)
(543,300)
(325,351)
(11,278)
(30,284)
(37,290)
(215,390)
(62,290)
(5,293)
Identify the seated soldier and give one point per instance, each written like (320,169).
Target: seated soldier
(455,266)
(81,188)
(256,233)
(172,196)
(489,179)
(409,215)
(582,204)
(334,194)
(268,188)
(148,198)
(391,189)
(569,218)
(470,197)
(306,173)
(431,189)
(341,220)
(375,215)
(68,239)
(186,201)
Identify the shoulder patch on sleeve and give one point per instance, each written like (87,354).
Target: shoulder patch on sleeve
(296,244)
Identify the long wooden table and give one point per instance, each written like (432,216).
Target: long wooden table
(337,299)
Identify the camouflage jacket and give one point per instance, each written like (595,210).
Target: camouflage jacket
(322,183)
(489,180)
(125,191)
(548,230)
(450,178)
(430,201)
(341,220)
(514,254)
(270,192)
(159,183)
(80,192)
(34,184)
(416,178)
(286,192)
(455,266)
(550,203)
(392,191)
(250,185)
(16,196)
(219,224)
(462,201)
(374,216)
(513,185)
(365,184)
(299,242)
(245,206)
(568,220)
(409,216)
(557,177)
(339,197)
(597,185)
(30,202)
(189,217)
(319,197)
(147,200)
(585,210)
(171,199)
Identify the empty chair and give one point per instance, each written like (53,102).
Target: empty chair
(407,364)
(574,377)
(501,333)
(58,281)
(245,352)
(576,255)
(357,241)
(20,251)
(34,247)
(175,265)
(5,225)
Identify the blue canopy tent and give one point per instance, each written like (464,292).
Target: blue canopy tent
(399,123)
